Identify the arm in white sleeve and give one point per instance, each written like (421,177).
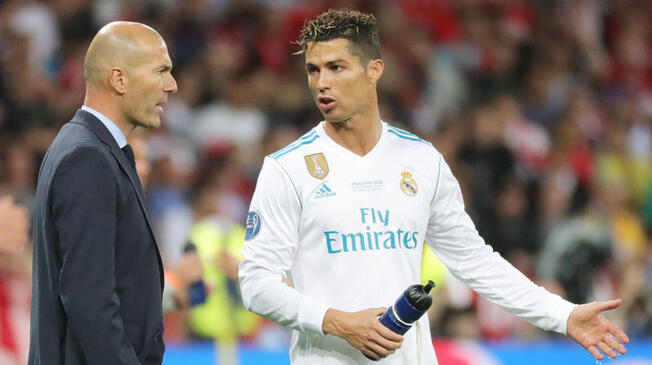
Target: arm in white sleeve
(267,256)
(455,240)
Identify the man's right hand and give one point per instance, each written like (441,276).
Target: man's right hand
(363,331)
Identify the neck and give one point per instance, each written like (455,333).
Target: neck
(359,134)
(109,107)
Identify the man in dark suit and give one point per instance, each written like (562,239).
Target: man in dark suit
(98,276)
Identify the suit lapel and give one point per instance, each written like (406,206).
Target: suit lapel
(135,182)
(89,120)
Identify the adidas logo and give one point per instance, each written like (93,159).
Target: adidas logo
(324,192)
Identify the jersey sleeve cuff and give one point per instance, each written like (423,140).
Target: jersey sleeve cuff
(561,310)
(312,317)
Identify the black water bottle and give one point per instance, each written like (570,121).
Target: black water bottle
(407,309)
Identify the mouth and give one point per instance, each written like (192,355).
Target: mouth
(161,105)
(326,103)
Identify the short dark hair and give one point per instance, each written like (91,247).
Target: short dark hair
(359,28)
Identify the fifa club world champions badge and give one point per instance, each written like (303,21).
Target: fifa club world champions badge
(408,184)
(317,165)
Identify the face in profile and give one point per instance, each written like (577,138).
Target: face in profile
(149,81)
(338,79)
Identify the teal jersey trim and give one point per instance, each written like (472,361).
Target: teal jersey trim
(406,135)
(294,147)
(283,150)
(401,131)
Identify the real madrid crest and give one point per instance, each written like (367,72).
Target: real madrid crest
(408,184)
(317,165)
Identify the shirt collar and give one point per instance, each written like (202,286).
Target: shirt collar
(116,132)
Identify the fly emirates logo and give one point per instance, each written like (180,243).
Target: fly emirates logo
(376,235)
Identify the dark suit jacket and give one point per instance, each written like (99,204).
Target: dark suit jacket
(98,276)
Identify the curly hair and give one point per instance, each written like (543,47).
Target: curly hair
(359,28)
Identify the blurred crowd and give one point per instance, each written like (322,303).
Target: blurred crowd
(543,109)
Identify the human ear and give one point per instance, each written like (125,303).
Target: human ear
(117,80)
(375,69)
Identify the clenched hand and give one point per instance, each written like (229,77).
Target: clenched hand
(363,331)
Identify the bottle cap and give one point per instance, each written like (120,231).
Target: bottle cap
(419,295)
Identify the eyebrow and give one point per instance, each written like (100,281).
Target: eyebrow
(329,63)
(164,68)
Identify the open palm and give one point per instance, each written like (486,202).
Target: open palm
(588,327)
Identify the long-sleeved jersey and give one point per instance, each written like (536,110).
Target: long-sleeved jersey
(348,231)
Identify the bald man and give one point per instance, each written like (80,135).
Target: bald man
(98,276)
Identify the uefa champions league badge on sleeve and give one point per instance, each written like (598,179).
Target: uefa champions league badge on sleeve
(317,165)
(252,227)
(408,184)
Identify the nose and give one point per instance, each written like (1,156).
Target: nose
(171,85)
(324,81)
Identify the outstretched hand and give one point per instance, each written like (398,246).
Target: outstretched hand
(589,328)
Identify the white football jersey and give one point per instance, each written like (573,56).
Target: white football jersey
(348,230)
